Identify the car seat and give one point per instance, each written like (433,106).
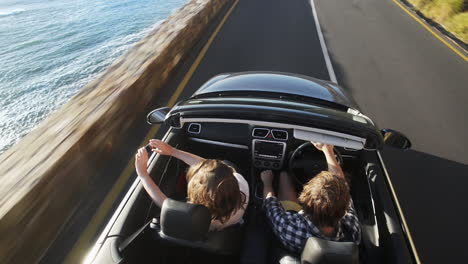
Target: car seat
(318,251)
(188,225)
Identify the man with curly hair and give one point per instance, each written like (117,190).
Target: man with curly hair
(324,209)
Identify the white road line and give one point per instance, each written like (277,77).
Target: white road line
(331,72)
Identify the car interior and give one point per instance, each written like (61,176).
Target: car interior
(178,232)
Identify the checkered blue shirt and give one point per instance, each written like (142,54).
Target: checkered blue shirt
(293,228)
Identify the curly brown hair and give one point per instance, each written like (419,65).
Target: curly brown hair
(325,199)
(212,183)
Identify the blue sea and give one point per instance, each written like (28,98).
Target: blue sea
(50,49)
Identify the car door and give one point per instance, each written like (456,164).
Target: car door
(136,208)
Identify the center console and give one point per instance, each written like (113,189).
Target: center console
(269,147)
(267,154)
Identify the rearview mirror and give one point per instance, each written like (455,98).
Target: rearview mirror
(157,116)
(395,139)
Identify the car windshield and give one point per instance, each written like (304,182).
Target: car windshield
(283,103)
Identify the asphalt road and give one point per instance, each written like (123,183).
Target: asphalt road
(399,74)
(404,78)
(269,35)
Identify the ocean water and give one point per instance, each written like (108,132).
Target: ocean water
(51,49)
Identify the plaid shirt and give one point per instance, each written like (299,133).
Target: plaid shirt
(293,229)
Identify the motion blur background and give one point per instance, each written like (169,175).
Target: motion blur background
(51,49)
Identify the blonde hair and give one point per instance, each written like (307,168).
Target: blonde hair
(212,183)
(325,199)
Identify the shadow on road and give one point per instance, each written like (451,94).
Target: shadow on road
(432,193)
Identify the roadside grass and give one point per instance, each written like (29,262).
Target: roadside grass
(458,25)
(452,14)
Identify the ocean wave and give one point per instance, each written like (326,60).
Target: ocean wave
(11,12)
(46,62)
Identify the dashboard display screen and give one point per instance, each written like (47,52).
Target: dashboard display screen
(268,148)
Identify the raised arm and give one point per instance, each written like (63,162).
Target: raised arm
(163,148)
(333,165)
(141,163)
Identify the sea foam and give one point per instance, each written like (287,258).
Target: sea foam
(11,11)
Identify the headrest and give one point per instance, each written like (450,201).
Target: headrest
(319,250)
(184,220)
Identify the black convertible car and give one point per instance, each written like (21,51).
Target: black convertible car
(257,121)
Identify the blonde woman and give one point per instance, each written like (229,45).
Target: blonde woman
(211,183)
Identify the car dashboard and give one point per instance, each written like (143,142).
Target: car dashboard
(268,146)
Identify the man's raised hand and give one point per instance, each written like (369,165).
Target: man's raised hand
(267,177)
(323,147)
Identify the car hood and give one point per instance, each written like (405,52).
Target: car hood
(281,84)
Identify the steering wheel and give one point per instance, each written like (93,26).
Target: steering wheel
(306,161)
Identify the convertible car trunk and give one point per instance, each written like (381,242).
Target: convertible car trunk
(382,239)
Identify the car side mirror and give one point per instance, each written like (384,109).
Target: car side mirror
(157,116)
(395,139)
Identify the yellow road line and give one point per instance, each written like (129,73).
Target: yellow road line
(84,243)
(413,247)
(431,31)
(192,69)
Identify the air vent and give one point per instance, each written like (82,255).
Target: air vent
(194,128)
(279,134)
(260,132)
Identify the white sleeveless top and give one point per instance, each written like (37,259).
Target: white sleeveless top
(237,216)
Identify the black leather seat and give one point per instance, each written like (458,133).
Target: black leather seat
(319,251)
(188,224)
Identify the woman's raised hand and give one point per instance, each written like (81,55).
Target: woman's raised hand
(141,161)
(161,147)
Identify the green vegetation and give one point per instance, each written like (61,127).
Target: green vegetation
(452,14)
